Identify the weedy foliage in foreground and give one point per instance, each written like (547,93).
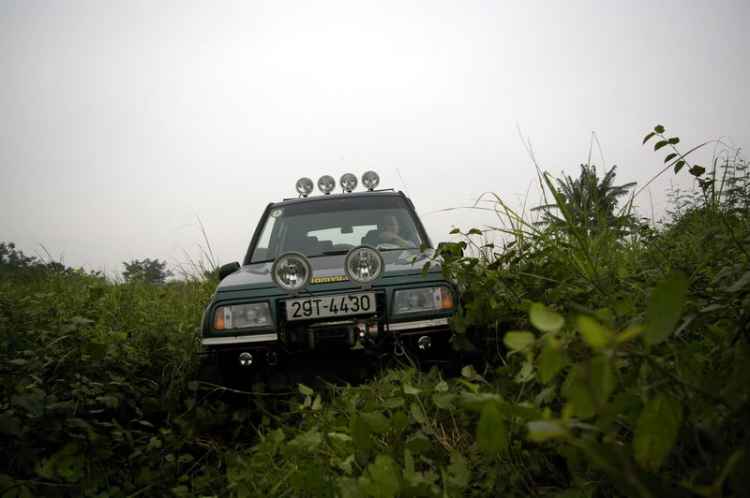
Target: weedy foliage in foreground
(604,364)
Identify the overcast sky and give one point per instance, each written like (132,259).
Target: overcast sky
(123,123)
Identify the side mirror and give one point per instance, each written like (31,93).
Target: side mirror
(454,248)
(227,270)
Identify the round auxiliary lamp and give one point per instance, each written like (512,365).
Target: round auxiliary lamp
(304,187)
(291,272)
(364,265)
(326,184)
(348,182)
(370,180)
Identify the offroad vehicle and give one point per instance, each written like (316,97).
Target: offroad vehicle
(328,281)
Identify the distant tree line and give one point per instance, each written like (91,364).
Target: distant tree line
(15,265)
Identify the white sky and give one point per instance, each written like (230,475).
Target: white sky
(123,122)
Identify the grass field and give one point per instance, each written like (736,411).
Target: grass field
(607,360)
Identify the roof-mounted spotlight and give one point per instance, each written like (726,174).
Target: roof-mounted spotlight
(348,182)
(370,180)
(326,184)
(304,186)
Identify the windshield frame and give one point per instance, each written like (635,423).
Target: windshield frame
(408,206)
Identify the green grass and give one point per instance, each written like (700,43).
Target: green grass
(603,365)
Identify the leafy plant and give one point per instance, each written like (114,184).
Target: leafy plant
(589,202)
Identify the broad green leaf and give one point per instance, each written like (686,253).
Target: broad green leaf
(360,435)
(697,170)
(276,436)
(627,404)
(491,433)
(674,140)
(474,402)
(418,443)
(444,401)
(408,462)
(648,137)
(305,390)
(741,283)
(318,403)
(524,412)
(469,372)
(399,421)
(308,440)
(630,333)
(381,479)
(518,341)
(408,389)
(33,403)
(678,166)
(417,413)
(6,481)
(426,268)
(664,308)
(659,129)
(545,319)
(458,470)
(601,376)
(551,361)
(590,386)
(396,402)
(656,431)
(670,157)
(525,374)
(376,422)
(542,430)
(594,334)
(660,144)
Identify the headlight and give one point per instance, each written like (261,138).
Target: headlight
(421,300)
(291,272)
(364,265)
(242,316)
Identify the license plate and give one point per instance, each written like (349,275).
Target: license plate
(306,308)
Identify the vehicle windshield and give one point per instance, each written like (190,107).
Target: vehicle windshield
(335,225)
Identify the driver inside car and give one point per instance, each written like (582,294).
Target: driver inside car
(388,232)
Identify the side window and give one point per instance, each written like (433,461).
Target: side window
(265,237)
(262,252)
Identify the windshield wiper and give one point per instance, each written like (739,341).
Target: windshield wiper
(334,253)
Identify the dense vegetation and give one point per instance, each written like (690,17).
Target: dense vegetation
(601,361)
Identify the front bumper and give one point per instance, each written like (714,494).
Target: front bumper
(277,341)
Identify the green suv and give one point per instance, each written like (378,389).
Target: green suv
(328,280)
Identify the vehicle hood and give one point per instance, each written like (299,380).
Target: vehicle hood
(258,275)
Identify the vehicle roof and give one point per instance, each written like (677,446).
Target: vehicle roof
(321,197)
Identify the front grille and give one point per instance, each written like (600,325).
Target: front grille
(325,333)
